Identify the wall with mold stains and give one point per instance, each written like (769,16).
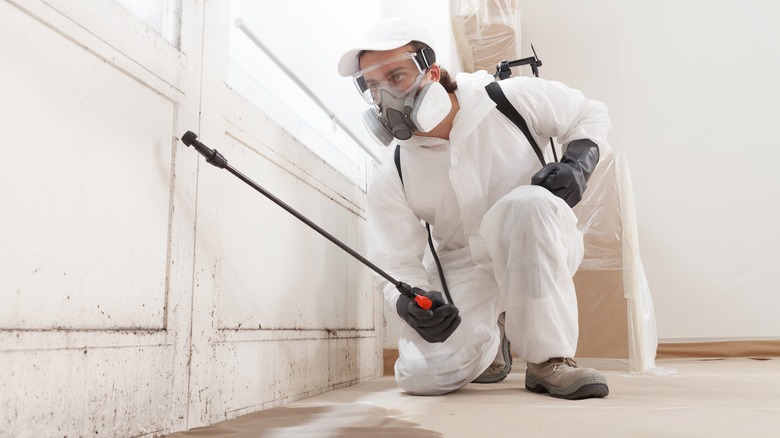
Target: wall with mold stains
(144,291)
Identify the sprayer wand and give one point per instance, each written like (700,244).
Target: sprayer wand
(218,160)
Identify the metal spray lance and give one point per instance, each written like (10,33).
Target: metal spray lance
(216,159)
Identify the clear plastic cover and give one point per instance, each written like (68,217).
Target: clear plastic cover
(599,219)
(486,32)
(607,219)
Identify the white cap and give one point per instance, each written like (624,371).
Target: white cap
(386,34)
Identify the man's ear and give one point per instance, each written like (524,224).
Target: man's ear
(434,73)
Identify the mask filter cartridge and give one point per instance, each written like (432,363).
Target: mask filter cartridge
(402,116)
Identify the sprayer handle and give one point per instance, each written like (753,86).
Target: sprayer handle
(420,297)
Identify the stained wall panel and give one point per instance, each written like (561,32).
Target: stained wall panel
(275,272)
(86,392)
(86,185)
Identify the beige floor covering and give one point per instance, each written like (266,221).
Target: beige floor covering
(705,398)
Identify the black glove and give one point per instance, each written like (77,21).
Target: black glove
(433,325)
(567,179)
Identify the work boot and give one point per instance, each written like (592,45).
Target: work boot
(502,364)
(563,378)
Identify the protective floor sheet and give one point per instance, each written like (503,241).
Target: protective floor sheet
(704,398)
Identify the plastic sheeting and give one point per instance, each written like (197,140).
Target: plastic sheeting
(608,220)
(486,32)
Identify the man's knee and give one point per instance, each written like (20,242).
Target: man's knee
(437,375)
(429,385)
(524,207)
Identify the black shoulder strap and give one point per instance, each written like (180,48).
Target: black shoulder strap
(398,162)
(506,108)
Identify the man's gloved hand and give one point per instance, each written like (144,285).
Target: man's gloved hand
(433,325)
(567,179)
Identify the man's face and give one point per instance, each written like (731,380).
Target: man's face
(393,70)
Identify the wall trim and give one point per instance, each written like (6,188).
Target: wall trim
(742,348)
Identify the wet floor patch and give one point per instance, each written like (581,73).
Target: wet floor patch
(348,420)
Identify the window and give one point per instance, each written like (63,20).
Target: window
(161,15)
(308,37)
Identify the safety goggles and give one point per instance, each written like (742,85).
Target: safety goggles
(399,75)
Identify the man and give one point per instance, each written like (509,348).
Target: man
(504,228)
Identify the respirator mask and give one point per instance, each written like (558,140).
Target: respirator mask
(399,105)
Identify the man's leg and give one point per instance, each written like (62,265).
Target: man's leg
(502,363)
(535,247)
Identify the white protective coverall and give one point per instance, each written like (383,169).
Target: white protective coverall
(504,244)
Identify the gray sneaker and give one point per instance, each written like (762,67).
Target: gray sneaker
(502,364)
(563,378)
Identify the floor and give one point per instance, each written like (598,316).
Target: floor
(692,398)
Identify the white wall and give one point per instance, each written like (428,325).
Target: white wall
(144,291)
(693,95)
